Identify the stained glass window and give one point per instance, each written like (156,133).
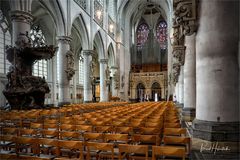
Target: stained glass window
(142,34)
(162,34)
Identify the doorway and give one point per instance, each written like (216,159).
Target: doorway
(140,92)
(156,92)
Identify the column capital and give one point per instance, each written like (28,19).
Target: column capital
(64,39)
(114,67)
(88,52)
(21,16)
(103,61)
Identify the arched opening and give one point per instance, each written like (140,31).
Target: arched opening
(45,27)
(111,63)
(156,92)
(140,92)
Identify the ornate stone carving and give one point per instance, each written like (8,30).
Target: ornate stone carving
(70,65)
(179,54)
(107,74)
(64,39)
(175,72)
(92,69)
(21,16)
(24,90)
(184,24)
(103,61)
(116,78)
(185,16)
(87,52)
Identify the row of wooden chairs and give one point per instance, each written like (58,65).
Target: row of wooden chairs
(52,148)
(17,118)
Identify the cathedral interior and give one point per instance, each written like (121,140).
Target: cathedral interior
(119,79)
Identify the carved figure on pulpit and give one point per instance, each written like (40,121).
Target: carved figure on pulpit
(116,78)
(107,71)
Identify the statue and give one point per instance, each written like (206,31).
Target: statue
(116,78)
(70,65)
(107,71)
(91,74)
(92,67)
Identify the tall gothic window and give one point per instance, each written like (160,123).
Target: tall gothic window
(81,72)
(40,67)
(142,34)
(5,39)
(162,34)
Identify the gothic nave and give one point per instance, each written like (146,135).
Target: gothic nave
(110,75)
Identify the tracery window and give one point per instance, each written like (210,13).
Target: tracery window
(142,34)
(81,72)
(40,67)
(5,39)
(161,32)
(81,3)
(98,11)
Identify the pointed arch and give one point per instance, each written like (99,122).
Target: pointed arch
(111,55)
(55,10)
(98,42)
(80,25)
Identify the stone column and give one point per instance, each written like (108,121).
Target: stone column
(21,18)
(103,86)
(190,78)
(181,88)
(87,86)
(217,106)
(63,48)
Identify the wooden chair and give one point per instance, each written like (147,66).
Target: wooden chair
(116,138)
(37,126)
(173,140)
(84,128)
(124,130)
(49,134)
(47,148)
(172,125)
(51,121)
(25,145)
(7,142)
(28,132)
(79,121)
(100,150)
(93,137)
(10,131)
(153,124)
(103,129)
(145,139)
(70,149)
(69,135)
(150,130)
(171,151)
(175,131)
(133,152)
(67,127)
